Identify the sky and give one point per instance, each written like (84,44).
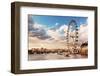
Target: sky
(47,31)
(52,21)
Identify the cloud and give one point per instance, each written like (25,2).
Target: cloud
(63,29)
(30,22)
(53,34)
(83,33)
(37,30)
(56,24)
(58,34)
(30,19)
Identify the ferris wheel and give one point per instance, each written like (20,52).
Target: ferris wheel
(72,36)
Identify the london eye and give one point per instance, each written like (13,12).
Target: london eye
(72,36)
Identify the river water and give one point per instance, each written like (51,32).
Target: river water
(53,57)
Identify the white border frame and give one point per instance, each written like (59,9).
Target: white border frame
(25,64)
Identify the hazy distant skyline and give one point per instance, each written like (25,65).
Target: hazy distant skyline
(49,31)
